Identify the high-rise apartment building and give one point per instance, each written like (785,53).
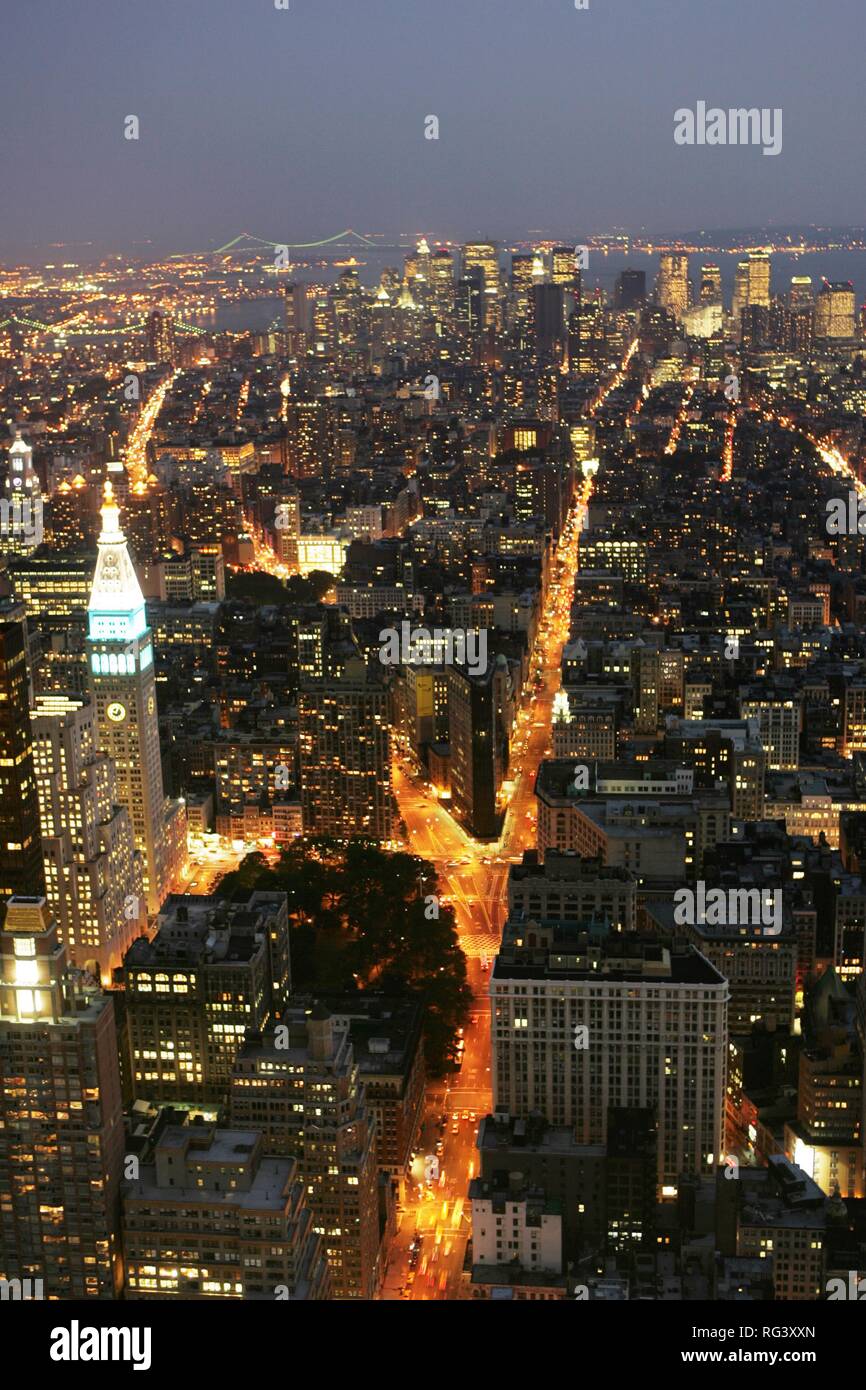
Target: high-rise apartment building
(345,753)
(120,659)
(159,337)
(61,1115)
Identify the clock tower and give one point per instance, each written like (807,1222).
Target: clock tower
(120,661)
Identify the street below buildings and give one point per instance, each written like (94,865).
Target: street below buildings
(473,878)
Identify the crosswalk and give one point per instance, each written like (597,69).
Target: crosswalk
(479,943)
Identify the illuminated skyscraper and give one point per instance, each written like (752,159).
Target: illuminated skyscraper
(345,754)
(159,337)
(711,284)
(759,279)
(20,848)
(295,303)
(21,527)
(563,267)
(442,283)
(522,282)
(308,1098)
(484,256)
(673,283)
(741,293)
(835,310)
(93,873)
(61,1115)
(120,659)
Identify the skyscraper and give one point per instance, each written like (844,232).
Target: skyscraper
(120,661)
(93,872)
(484,256)
(20,849)
(159,337)
(345,754)
(740,300)
(711,284)
(21,527)
(442,283)
(673,283)
(835,310)
(61,1115)
(759,279)
(630,290)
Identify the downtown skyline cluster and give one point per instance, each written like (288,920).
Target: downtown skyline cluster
(432,781)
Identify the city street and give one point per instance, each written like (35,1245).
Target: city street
(473,877)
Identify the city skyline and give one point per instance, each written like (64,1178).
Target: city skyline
(591,92)
(433,669)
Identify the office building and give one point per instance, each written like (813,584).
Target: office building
(61,1115)
(21,870)
(301,1087)
(21,505)
(210,1217)
(835,310)
(583,1021)
(93,872)
(213,970)
(120,660)
(672,289)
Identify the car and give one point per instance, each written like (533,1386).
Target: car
(465,1115)
(455,1128)
(472,1114)
(439,1146)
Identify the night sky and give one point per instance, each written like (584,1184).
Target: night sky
(293,125)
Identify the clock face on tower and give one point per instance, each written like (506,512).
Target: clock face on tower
(150,704)
(116,711)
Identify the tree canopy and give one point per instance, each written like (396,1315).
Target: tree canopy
(363,918)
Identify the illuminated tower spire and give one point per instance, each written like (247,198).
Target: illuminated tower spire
(120,659)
